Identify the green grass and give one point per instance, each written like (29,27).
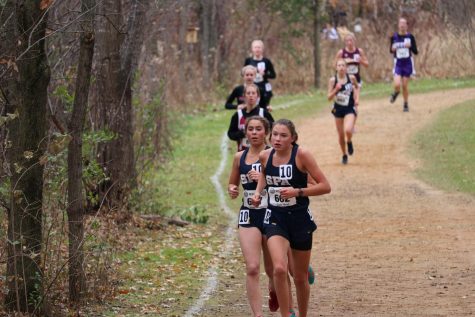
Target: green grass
(446,148)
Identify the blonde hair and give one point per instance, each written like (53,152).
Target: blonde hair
(257,42)
(352,36)
(248,67)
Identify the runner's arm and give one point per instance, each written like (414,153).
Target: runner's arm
(356,90)
(332,90)
(363,58)
(230,101)
(233,132)
(414,45)
(233,185)
(270,72)
(261,184)
(310,165)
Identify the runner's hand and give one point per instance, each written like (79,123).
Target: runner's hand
(241,106)
(288,192)
(269,108)
(233,191)
(254,175)
(256,200)
(338,86)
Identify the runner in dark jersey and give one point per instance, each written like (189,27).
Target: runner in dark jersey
(344,90)
(238,120)
(236,100)
(288,222)
(353,56)
(265,71)
(403,46)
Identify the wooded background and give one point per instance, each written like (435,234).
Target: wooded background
(90,90)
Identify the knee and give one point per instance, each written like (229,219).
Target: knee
(300,278)
(280,270)
(348,131)
(252,269)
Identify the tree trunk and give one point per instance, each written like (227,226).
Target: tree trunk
(27,134)
(118,58)
(317,53)
(77,278)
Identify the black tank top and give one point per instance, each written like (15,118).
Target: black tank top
(344,96)
(248,184)
(286,175)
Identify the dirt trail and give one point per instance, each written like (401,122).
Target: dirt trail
(387,244)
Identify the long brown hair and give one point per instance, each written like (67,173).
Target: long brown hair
(291,126)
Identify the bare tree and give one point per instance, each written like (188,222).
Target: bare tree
(317,52)
(77,279)
(119,46)
(26,95)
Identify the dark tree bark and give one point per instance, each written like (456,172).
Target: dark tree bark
(317,52)
(118,50)
(208,40)
(77,278)
(28,92)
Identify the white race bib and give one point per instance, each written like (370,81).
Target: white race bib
(276,200)
(342,99)
(285,171)
(352,69)
(247,199)
(257,167)
(244,218)
(402,52)
(268,87)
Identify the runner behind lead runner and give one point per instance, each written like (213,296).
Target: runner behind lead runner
(288,222)
(236,131)
(403,46)
(265,71)
(236,100)
(353,56)
(344,90)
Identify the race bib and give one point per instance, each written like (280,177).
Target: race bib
(352,69)
(268,87)
(267,216)
(402,52)
(285,171)
(244,218)
(257,167)
(276,200)
(342,99)
(247,199)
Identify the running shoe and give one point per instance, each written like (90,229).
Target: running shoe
(292,313)
(350,148)
(273,302)
(406,107)
(311,275)
(344,159)
(393,97)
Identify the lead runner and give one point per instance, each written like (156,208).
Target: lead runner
(288,222)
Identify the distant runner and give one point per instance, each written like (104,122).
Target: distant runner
(236,130)
(353,56)
(236,99)
(265,71)
(403,46)
(344,90)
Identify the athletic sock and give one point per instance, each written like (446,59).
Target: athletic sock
(406,107)
(394,96)
(350,147)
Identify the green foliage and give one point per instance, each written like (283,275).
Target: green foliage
(446,148)
(65,96)
(195,214)
(35,297)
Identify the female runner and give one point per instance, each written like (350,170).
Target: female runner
(236,100)
(344,89)
(238,120)
(288,223)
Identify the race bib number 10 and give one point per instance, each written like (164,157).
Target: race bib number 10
(285,171)
(257,167)
(244,217)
